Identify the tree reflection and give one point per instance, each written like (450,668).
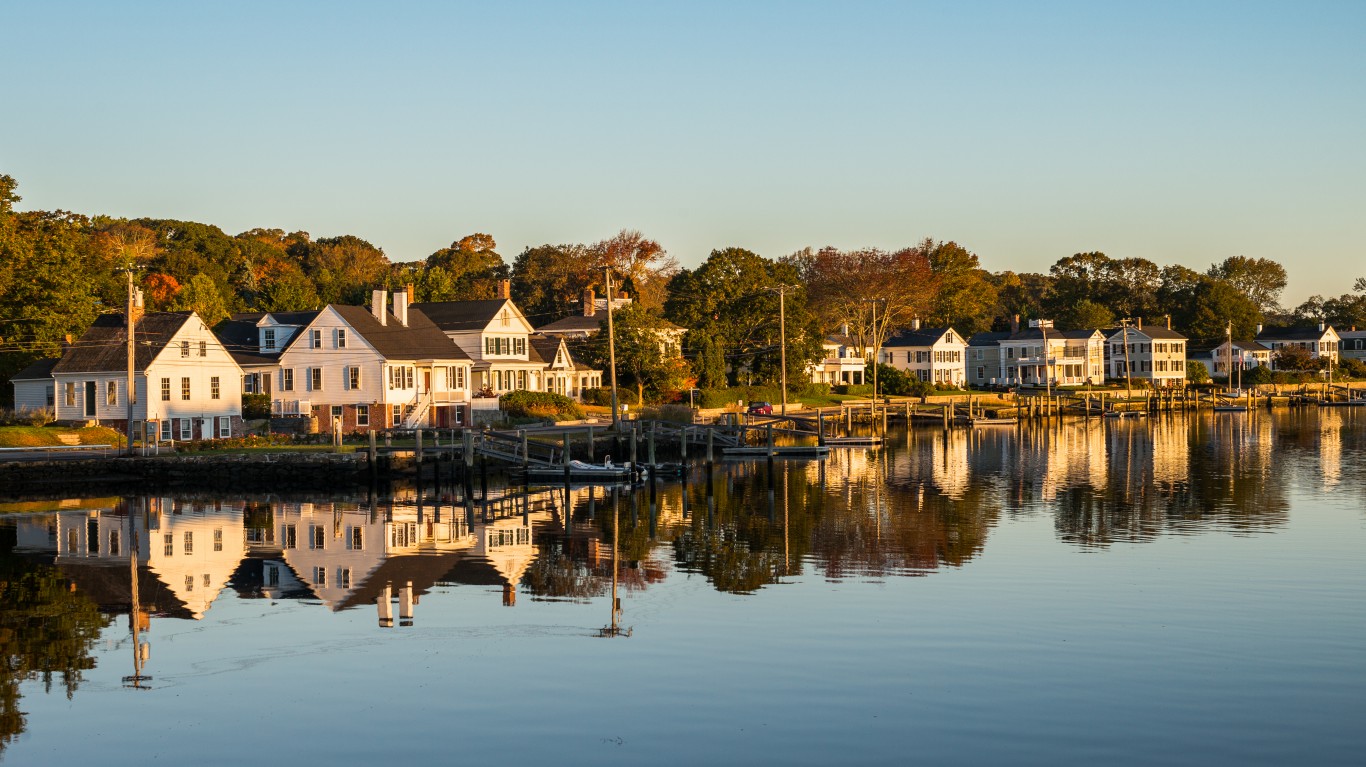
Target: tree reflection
(47,631)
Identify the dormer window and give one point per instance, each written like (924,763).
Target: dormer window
(268,338)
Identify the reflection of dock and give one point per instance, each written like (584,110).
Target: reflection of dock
(777,451)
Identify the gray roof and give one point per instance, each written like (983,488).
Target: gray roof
(421,339)
(460,315)
(575,324)
(1031,334)
(988,338)
(38,371)
(104,347)
(1311,333)
(1151,331)
(544,348)
(921,337)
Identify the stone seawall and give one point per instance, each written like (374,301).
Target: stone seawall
(257,472)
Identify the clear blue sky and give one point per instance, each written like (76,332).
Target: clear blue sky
(1182,132)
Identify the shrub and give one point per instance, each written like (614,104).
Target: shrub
(1257,376)
(1196,372)
(255,406)
(39,416)
(675,413)
(1352,368)
(539,404)
(856,390)
(601,396)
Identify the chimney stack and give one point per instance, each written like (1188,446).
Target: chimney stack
(1169,322)
(589,307)
(844,329)
(1015,324)
(505,288)
(621,296)
(1259,328)
(401,305)
(1322,327)
(1138,322)
(915,324)
(379,305)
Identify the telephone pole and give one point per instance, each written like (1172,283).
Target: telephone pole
(782,340)
(612,350)
(134,302)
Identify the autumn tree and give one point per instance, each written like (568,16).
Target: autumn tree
(201,296)
(646,357)
(1260,279)
(345,269)
(965,297)
(874,292)
(639,264)
(469,269)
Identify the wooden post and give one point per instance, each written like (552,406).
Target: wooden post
(711,455)
(820,427)
(651,443)
(418,433)
(521,435)
(633,443)
(592,449)
(372,455)
(566,457)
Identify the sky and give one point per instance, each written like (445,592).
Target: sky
(1177,132)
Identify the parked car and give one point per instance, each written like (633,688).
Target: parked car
(760,408)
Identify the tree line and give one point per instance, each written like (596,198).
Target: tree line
(59,270)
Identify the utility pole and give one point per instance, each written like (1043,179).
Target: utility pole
(782,339)
(612,350)
(134,299)
(877,345)
(1128,384)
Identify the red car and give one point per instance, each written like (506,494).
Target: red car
(760,408)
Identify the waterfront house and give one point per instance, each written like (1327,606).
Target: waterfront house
(1036,355)
(1155,354)
(1319,341)
(365,370)
(1352,344)
(33,387)
(932,355)
(256,340)
(497,337)
(561,373)
(842,361)
(984,358)
(581,327)
(1244,355)
(195,386)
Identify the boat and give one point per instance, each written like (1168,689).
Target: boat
(977,421)
(582,471)
(853,441)
(1125,413)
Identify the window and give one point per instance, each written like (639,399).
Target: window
(111,393)
(340,338)
(218,539)
(355,539)
(69,394)
(320,576)
(317,537)
(407,378)
(315,379)
(353,377)
(287,379)
(166,430)
(268,338)
(460,377)
(272,575)
(290,537)
(981,372)
(168,544)
(213,387)
(203,348)
(184,388)
(184,348)
(362,415)
(224,426)
(114,543)
(344,577)
(189,543)
(247,386)
(186,430)
(336,413)
(397,415)
(520,347)
(315,339)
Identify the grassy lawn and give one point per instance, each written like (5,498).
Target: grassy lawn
(47,436)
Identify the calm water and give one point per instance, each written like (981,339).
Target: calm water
(1181,591)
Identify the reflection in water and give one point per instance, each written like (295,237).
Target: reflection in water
(925,501)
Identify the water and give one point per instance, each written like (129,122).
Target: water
(1180,591)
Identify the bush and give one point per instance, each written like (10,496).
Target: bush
(1257,376)
(855,390)
(1196,372)
(539,404)
(255,406)
(1352,368)
(675,413)
(601,396)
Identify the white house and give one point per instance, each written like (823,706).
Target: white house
(1040,353)
(33,387)
(1321,341)
(1154,354)
(1352,344)
(842,361)
(984,358)
(195,385)
(256,340)
(373,369)
(1244,355)
(933,355)
(562,374)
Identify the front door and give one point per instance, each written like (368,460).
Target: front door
(427,379)
(89,399)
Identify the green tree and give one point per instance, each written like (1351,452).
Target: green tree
(966,296)
(470,270)
(345,269)
(646,356)
(1196,372)
(201,296)
(1260,279)
(548,281)
(1086,315)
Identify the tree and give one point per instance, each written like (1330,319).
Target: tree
(201,296)
(470,270)
(549,280)
(345,269)
(1021,295)
(874,292)
(7,194)
(966,297)
(640,263)
(1196,372)
(1260,279)
(1087,315)
(159,291)
(288,291)
(1294,358)
(731,302)
(644,352)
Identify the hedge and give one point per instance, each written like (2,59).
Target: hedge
(540,404)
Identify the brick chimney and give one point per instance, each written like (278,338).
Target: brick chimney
(589,306)
(379,305)
(1015,324)
(401,299)
(505,288)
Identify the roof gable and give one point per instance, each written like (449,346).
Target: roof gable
(104,347)
(420,339)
